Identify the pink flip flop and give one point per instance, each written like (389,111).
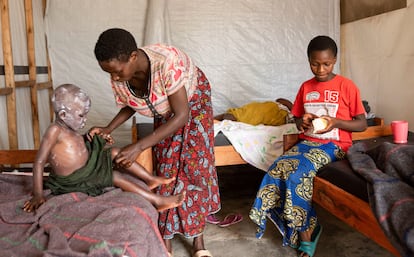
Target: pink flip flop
(231,219)
(212,219)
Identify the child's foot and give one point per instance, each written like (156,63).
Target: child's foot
(156,181)
(168,202)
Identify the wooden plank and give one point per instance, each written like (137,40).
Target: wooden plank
(24,83)
(6,91)
(134,130)
(9,74)
(372,131)
(227,155)
(146,160)
(351,210)
(13,157)
(44,85)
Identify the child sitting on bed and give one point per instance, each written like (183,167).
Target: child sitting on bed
(255,113)
(285,194)
(82,166)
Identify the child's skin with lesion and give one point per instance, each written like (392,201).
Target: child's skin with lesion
(65,151)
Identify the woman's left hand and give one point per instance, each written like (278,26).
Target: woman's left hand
(127,155)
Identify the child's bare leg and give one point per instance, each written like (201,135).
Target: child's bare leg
(160,202)
(140,172)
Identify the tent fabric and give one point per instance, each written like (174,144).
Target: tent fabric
(249,50)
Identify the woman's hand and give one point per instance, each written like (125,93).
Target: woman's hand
(127,155)
(104,132)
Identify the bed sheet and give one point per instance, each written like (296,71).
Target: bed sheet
(258,145)
(115,223)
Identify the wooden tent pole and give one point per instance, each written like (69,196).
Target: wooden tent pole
(32,70)
(9,75)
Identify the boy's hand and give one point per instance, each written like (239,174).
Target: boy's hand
(33,204)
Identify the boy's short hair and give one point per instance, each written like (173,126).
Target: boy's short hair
(66,95)
(321,43)
(116,44)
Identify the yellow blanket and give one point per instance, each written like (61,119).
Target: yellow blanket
(255,113)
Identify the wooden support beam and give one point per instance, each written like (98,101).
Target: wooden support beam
(9,76)
(25,83)
(44,85)
(6,91)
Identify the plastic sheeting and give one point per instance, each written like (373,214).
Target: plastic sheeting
(249,50)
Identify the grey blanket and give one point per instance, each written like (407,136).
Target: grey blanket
(115,223)
(389,171)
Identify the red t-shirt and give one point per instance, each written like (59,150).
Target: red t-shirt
(338,97)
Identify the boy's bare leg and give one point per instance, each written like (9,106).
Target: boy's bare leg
(140,172)
(152,181)
(160,202)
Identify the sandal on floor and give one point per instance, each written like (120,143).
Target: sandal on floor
(202,253)
(310,247)
(231,219)
(212,219)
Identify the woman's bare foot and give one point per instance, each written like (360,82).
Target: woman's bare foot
(157,181)
(168,202)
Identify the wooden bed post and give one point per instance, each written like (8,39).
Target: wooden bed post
(145,158)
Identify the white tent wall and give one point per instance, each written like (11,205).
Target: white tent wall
(378,54)
(19,48)
(249,50)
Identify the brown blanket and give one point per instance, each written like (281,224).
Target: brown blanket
(116,223)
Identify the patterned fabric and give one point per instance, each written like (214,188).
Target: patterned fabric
(258,145)
(171,69)
(338,97)
(188,155)
(285,194)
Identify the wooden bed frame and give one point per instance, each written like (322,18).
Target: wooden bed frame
(343,205)
(13,158)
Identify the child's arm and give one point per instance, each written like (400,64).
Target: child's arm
(48,141)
